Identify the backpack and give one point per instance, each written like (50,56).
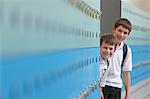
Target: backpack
(125,49)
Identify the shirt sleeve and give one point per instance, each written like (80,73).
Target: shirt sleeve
(127,66)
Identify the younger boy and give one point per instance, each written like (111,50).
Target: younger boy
(107,48)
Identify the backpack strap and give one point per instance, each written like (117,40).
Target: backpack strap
(125,49)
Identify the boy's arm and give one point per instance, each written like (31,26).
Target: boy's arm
(126,76)
(101,93)
(127,68)
(102,70)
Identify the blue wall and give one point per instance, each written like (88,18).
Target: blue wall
(61,74)
(49,48)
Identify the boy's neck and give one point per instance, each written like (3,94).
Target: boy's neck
(118,44)
(105,60)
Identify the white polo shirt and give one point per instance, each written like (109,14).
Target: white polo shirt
(114,75)
(104,70)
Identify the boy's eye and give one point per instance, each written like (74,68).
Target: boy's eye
(119,30)
(105,47)
(125,33)
(110,49)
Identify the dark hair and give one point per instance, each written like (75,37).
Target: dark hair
(108,38)
(124,23)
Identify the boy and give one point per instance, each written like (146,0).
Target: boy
(112,89)
(107,48)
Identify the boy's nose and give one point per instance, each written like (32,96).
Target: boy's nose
(122,34)
(108,50)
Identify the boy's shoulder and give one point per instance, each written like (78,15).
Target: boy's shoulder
(126,49)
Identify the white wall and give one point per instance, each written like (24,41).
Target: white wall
(142,4)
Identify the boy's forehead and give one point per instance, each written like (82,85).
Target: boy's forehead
(107,43)
(122,27)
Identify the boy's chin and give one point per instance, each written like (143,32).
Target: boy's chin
(120,41)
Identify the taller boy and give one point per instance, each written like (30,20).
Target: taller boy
(112,89)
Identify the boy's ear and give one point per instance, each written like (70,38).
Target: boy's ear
(113,30)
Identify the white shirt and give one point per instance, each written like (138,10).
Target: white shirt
(114,75)
(104,70)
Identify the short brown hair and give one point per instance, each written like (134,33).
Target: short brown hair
(108,38)
(123,22)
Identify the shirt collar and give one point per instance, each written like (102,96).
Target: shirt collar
(121,45)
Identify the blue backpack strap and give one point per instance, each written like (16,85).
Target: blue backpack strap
(125,49)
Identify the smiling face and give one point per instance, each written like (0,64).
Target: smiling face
(107,50)
(121,33)
(122,29)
